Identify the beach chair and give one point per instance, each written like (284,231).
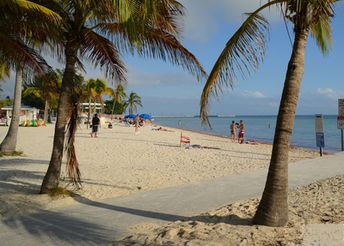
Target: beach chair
(184,140)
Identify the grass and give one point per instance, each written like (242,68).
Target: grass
(12,153)
(60,192)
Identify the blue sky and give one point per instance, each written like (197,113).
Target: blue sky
(169,90)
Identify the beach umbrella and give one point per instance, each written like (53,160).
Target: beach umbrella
(131,116)
(146,116)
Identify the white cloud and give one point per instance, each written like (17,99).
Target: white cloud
(143,78)
(203,17)
(327,92)
(253,94)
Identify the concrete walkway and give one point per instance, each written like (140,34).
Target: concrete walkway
(99,223)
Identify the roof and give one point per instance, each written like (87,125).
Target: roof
(22,107)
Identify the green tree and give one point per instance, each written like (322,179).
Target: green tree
(119,105)
(133,101)
(6,102)
(86,31)
(243,52)
(95,89)
(44,87)
(23,24)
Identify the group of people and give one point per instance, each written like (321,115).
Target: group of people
(234,126)
(138,122)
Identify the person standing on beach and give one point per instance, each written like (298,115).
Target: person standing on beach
(137,121)
(95,125)
(241,132)
(233,128)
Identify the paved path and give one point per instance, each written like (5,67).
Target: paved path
(98,223)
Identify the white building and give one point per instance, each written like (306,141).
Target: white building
(26,113)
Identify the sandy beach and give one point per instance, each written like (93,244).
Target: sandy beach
(120,162)
(316,217)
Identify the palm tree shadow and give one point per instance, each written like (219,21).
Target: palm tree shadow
(56,227)
(132,211)
(232,219)
(21,161)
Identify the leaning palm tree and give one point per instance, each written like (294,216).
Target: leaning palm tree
(133,101)
(98,31)
(243,52)
(29,24)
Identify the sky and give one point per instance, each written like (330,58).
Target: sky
(166,89)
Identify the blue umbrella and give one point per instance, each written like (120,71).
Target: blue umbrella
(146,116)
(131,116)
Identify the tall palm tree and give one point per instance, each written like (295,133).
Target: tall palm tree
(243,52)
(133,101)
(46,88)
(98,31)
(29,24)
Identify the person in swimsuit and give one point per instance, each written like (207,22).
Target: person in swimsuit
(137,124)
(241,132)
(233,128)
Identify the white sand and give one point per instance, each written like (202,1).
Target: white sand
(316,217)
(119,162)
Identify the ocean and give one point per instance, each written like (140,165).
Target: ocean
(262,128)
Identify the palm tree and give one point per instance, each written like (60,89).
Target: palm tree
(133,101)
(243,52)
(44,87)
(95,90)
(29,25)
(119,99)
(98,31)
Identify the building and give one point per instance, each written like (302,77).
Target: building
(26,113)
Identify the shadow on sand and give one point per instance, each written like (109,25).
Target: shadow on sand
(232,219)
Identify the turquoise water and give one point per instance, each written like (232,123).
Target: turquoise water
(257,128)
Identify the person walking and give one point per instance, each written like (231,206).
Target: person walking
(241,132)
(95,125)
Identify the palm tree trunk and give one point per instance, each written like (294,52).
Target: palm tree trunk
(51,179)
(273,207)
(9,143)
(113,108)
(89,112)
(101,105)
(46,112)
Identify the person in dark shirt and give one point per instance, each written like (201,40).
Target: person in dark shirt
(95,125)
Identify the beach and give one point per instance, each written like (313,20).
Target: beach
(316,217)
(120,162)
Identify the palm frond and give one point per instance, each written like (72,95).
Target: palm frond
(5,71)
(29,7)
(72,166)
(322,12)
(243,53)
(101,52)
(19,53)
(32,91)
(156,44)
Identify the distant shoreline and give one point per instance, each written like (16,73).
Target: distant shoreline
(250,140)
(236,116)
